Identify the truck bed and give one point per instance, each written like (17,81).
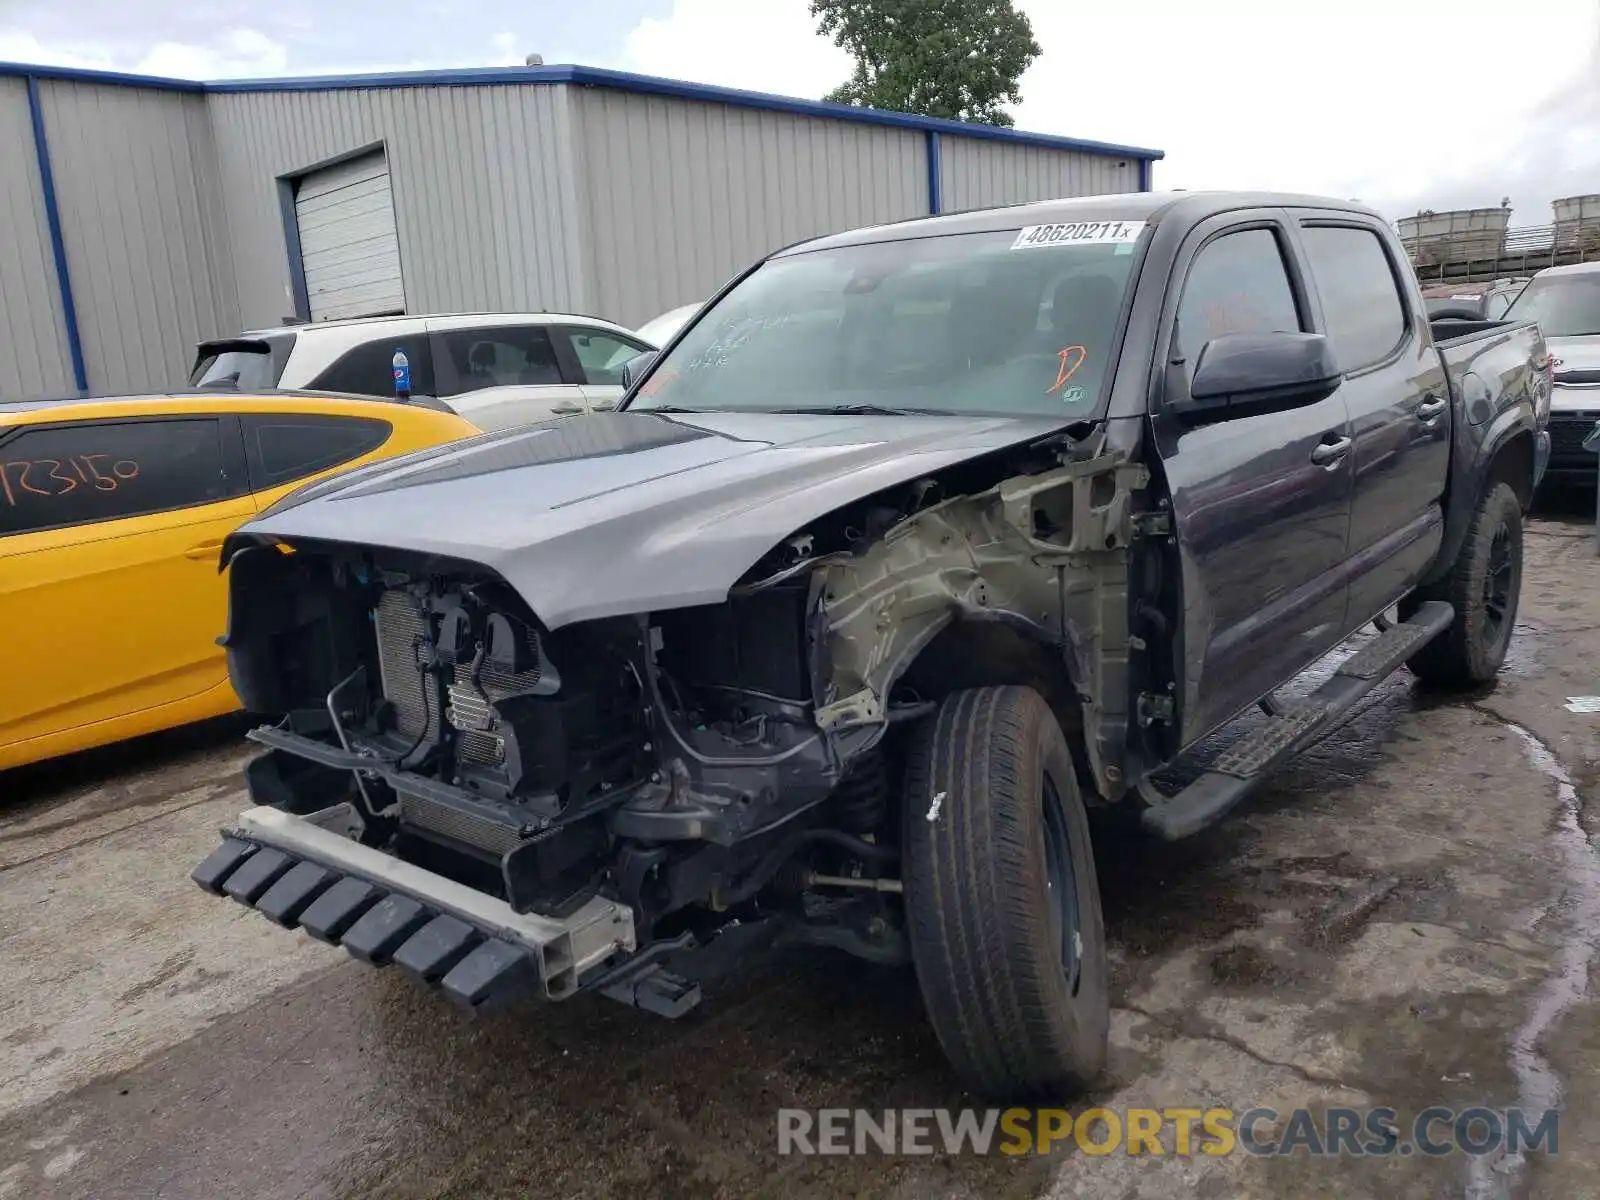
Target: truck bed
(1500,353)
(1452,333)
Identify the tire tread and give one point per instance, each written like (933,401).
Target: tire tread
(1455,659)
(980,936)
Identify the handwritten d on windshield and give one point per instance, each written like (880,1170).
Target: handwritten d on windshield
(1071,359)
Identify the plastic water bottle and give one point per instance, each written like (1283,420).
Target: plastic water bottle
(402,375)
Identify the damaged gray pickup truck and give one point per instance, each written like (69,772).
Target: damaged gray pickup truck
(916,543)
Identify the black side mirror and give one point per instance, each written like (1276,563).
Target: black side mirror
(1242,373)
(637,366)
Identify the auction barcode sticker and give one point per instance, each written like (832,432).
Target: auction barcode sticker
(1079,233)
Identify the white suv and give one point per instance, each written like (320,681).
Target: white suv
(495,369)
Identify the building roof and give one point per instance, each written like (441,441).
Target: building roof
(577,76)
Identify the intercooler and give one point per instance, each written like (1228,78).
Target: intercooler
(455,823)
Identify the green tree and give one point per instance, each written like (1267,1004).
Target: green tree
(959,59)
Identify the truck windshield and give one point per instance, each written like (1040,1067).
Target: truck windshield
(1564,305)
(1020,323)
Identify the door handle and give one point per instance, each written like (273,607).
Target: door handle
(204,550)
(1430,408)
(1331,452)
(566,410)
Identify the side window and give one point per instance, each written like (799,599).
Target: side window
(281,449)
(1360,299)
(103,470)
(367,370)
(1237,284)
(602,353)
(500,356)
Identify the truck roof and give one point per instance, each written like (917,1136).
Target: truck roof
(1127,206)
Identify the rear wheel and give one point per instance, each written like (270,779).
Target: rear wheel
(1483,586)
(1001,899)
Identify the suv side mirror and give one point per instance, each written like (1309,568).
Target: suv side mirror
(1242,373)
(637,366)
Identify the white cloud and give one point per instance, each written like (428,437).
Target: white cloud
(1402,104)
(1389,102)
(505,49)
(235,54)
(762,45)
(1370,98)
(16,46)
(241,53)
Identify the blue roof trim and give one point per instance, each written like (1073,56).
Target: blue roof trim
(623,81)
(84,75)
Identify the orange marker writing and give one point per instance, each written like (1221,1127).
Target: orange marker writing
(1069,366)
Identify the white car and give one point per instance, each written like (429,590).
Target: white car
(1565,301)
(495,369)
(658,331)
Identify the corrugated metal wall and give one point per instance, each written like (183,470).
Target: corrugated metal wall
(679,195)
(977,173)
(143,227)
(33,341)
(483,195)
(506,197)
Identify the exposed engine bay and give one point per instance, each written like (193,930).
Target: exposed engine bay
(718,771)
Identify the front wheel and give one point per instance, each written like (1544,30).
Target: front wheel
(1001,899)
(1483,586)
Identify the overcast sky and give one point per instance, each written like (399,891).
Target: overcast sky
(1401,103)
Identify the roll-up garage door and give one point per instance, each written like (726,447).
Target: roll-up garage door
(348,244)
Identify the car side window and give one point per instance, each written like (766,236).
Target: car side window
(603,353)
(104,470)
(1361,302)
(1497,304)
(368,369)
(1237,284)
(281,449)
(500,356)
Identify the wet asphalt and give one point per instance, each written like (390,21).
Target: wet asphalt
(1404,916)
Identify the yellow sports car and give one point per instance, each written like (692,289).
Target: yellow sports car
(112,515)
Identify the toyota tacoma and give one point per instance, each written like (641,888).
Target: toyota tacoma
(915,543)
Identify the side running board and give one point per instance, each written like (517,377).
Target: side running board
(1247,761)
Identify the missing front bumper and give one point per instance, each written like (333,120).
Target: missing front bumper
(300,874)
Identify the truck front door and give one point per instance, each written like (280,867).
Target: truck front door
(1261,502)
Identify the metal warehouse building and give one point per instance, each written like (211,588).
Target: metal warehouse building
(146,214)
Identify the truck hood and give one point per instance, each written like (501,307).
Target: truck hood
(626,512)
(1577,373)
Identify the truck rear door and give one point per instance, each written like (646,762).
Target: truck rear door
(1261,501)
(1398,400)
